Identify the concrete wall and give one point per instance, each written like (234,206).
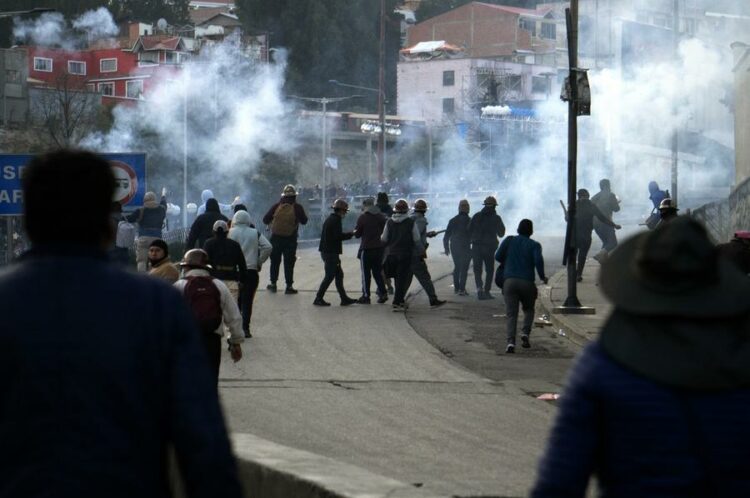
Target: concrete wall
(725,217)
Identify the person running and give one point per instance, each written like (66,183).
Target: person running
(369,227)
(419,265)
(485,228)
(402,241)
(457,243)
(519,256)
(330,247)
(585,213)
(608,203)
(256,248)
(284,219)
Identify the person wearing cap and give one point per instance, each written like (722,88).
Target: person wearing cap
(486,227)
(203,227)
(658,404)
(256,248)
(369,227)
(330,247)
(667,211)
(284,219)
(737,250)
(195,264)
(226,258)
(150,218)
(585,213)
(519,257)
(457,243)
(419,266)
(102,372)
(402,241)
(158,260)
(608,203)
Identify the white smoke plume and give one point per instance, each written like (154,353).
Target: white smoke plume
(51,29)
(97,24)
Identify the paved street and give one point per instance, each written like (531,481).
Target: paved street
(359,385)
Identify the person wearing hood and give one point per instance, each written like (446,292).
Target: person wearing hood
(586,211)
(208,194)
(158,260)
(383,205)
(150,219)
(608,203)
(256,248)
(369,227)
(486,228)
(419,265)
(284,219)
(657,196)
(457,243)
(658,405)
(402,241)
(203,227)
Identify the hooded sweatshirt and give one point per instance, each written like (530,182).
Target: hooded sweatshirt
(255,246)
(208,194)
(150,217)
(401,236)
(486,226)
(203,226)
(369,228)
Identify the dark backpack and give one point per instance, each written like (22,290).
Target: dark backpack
(204,299)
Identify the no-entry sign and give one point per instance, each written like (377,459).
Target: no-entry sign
(129,170)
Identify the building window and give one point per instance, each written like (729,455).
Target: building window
(134,89)
(549,31)
(449,78)
(43,64)
(147,58)
(76,67)
(690,26)
(528,25)
(91,87)
(107,89)
(108,65)
(12,76)
(448,106)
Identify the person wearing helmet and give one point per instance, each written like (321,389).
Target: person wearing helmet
(369,227)
(330,247)
(457,243)
(201,291)
(226,258)
(284,219)
(419,266)
(486,227)
(667,211)
(585,213)
(402,241)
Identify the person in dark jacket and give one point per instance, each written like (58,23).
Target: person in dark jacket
(667,211)
(457,243)
(284,219)
(658,405)
(226,258)
(369,228)
(585,213)
(383,205)
(608,203)
(102,372)
(419,265)
(202,228)
(485,228)
(150,219)
(737,251)
(519,256)
(402,241)
(330,248)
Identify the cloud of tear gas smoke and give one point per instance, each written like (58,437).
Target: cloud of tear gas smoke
(51,30)
(235,113)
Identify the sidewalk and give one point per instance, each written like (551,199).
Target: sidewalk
(580,329)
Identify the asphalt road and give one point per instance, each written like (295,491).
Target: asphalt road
(359,385)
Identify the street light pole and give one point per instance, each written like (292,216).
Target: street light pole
(184,148)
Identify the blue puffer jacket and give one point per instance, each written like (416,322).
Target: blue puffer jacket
(645,439)
(101,371)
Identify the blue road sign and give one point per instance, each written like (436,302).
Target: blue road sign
(129,170)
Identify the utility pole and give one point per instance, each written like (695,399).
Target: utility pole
(381,96)
(675,136)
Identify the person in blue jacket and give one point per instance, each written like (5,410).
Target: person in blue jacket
(659,404)
(102,371)
(519,256)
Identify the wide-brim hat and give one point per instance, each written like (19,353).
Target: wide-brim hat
(674,270)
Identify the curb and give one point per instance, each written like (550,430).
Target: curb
(561,322)
(270,470)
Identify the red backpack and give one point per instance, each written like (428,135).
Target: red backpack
(204,299)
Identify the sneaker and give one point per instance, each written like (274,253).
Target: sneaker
(399,307)
(363,300)
(483,296)
(320,302)
(271,287)
(525,342)
(463,292)
(291,290)
(437,302)
(347,301)
(383,299)
(510,348)
(248,335)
